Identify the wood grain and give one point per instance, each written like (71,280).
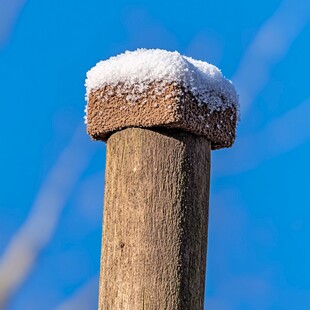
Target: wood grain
(155,220)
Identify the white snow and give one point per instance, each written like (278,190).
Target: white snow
(140,68)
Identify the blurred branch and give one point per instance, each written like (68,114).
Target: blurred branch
(269,46)
(279,136)
(84,298)
(37,230)
(9,11)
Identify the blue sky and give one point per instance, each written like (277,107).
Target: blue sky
(52,174)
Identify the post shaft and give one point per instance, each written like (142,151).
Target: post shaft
(155,220)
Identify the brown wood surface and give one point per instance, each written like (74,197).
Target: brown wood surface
(155,220)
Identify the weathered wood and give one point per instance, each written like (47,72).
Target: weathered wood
(155,220)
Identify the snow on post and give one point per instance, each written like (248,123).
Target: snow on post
(149,88)
(160,113)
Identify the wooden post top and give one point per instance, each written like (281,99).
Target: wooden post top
(157,88)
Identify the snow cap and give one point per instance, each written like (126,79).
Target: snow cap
(158,88)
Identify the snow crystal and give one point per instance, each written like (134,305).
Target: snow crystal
(138,69)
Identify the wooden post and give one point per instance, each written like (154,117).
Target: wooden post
(155,220)
(160,113)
